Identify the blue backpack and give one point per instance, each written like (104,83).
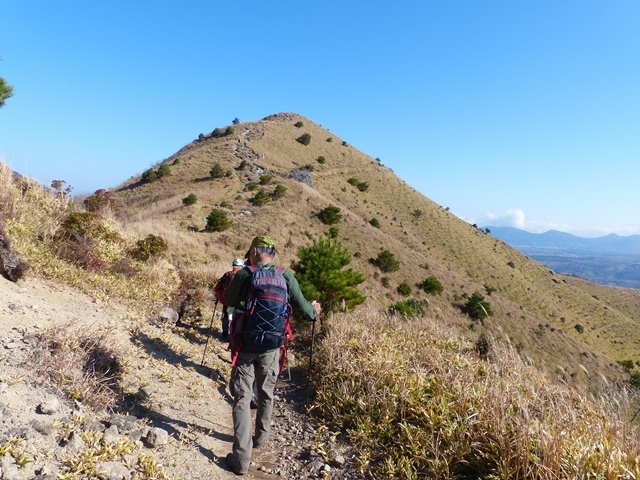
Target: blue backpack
(262,324)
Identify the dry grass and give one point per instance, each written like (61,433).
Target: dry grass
(421,404)
(83,362)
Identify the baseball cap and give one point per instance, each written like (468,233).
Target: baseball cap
(263,241)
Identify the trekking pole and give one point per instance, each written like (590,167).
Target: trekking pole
(313,336)
(210,327)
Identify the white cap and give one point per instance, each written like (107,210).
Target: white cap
(238,262)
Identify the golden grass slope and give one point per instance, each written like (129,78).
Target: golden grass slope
(535,309)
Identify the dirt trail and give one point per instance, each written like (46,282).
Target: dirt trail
(175,393)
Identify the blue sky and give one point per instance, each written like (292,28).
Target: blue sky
(509,113)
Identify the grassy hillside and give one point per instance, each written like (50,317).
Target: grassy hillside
(535,309)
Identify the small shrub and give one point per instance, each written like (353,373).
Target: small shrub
(217,171)
(432,285)
(385,281)
(265,179)
(511,264)
(235,121)
(634,380)
(344,144)
(477,307)
(279,192)
(483,347)
(164,170)
(224,204)
(190,199)
(217,132)
(387,262)
(374,223)
(579,328)
(353,181)
(298,124)
(309,167)
(333,232)
(228,173)
(229,131)
(261,198)
(304,139)
(217,221)
(321,160)
(201,136)
(407,308)
(251,186)
(243,165)
(363,186)
(99,201)
(151,246)
(404,289)
(626,364)
(176,161)
(149,176)
(330,215)
(329,139)
(417,213)
(490,289)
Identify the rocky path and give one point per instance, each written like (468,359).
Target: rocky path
(177,421)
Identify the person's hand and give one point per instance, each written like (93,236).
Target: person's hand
(317,307)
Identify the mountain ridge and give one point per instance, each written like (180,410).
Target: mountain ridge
(426,238)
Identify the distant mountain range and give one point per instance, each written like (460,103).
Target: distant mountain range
(608,260)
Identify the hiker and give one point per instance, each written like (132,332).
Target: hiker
(255,348)
(219,289)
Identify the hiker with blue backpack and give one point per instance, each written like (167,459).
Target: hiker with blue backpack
(263,295)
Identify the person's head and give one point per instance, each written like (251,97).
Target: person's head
(237,264)
(262,249)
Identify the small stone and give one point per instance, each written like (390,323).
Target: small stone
(113,471)
(157,437)
(42,426)
(75,443)
(124,423)
(111,434)
(50,406)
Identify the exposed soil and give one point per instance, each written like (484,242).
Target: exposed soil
(167,388)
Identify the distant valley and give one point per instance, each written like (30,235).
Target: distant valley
(608,260)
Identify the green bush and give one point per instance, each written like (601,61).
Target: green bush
(363,186)
(228,173)
(407,308)
(176,161)
(298,124)
(265,179)
(404,289)
(201,136)
(477,307)
(149,176)
(321,160)
(353,181)
(344,144)
(329,139)
(217,132)
(229,131)
(235,121)
(385,281)
(489,289)
(374,223)
(261,198)
(304,139)
(333,232)
(243,165)
(279,192)
(309,167)
(432,285)
(251,186)
(190,199)
(164,170)
(217,171)
(224,204)
(417,213)
(151,246)
(387,262)
(217,221)
(626,364)
(330,215)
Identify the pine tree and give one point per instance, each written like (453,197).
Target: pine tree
(321,276)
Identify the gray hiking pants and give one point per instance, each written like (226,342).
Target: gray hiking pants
(264,367)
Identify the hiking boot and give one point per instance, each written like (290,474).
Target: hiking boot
(254,401)
(260,439)
(239,467)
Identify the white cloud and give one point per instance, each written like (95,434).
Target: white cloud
(511,218)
